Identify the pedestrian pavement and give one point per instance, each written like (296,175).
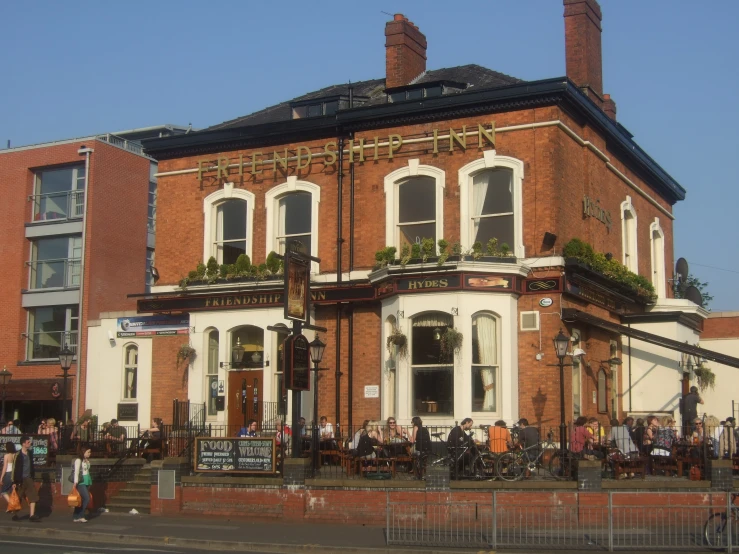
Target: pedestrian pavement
(209,533)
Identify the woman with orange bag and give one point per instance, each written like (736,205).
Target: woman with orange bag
(7,474)
(82,482)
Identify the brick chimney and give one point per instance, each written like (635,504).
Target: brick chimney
(582,47)
(405,52)
(609,106)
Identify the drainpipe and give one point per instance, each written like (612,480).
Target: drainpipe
(339,244)
(81,322)
(630,370)
(350,369)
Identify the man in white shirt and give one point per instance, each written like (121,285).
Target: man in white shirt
(325,429)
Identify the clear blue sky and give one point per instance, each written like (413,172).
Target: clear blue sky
(75,69)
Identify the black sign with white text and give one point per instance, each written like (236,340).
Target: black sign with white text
(235,455)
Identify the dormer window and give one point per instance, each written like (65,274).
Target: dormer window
(318,107)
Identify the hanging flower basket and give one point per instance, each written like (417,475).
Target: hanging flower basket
(706,378)
(451,341)
(396,339)
(186,352)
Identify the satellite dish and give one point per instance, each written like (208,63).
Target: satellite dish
(694,295)
(681,268)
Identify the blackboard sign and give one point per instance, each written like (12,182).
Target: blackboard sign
(39,444)
(235,455)
(128,412)
(297,363)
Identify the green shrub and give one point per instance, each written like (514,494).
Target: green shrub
(274,264)
(243,263)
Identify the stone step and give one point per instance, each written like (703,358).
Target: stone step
(133,493)
(125,504)
(120,509)
(138,485)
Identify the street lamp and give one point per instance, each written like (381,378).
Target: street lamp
(5,377)
(316,354)
(65,360)
(237,353)
(560,347)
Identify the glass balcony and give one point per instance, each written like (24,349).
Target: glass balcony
(46,345)
(58,206)
(53,274)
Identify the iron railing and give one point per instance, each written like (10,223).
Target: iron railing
(61,273)
(602,521)
(69,204)
(131,146)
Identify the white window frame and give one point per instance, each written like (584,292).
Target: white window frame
(126,347)
(210,208)
(497,366)
(491,160)
(628,236)
(657,249)
(272,201)
(391,186)
(207,375)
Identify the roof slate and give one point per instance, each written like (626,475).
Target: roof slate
(476,77)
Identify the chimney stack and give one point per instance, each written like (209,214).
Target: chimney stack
(405,52)
(609,106)
(583,48)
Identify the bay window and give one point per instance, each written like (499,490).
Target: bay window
(432,368)
(485,368)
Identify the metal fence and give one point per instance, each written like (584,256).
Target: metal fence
(605,521)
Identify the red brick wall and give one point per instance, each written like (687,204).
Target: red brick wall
(721,327)
(169,377)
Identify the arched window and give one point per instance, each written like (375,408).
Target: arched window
(228,223)
(628,238)
(602,392)
(485,368)
(211,382)
(658,258)
(414,207)
(432,368)
(251,339)
(292,215)
(491,202)
(130,371)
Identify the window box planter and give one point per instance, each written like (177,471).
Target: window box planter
(492,259)
(574,265)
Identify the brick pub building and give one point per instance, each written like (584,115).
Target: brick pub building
(463,154)
(78,234)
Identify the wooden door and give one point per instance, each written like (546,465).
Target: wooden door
(246,395)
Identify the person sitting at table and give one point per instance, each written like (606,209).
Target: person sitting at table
(365,444)
(421,438)
(354,442)
(394,432)
(325,429)
(663,438)
(461,445)
(727,441)
(581,442)
(116,434)
(250,430)
(11,428)
(51,431)
(598,432)
(282,436)
(620,437)
(499,439)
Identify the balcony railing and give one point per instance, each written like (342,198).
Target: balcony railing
(46,345)
(131,146)
(48,274)
(69,204)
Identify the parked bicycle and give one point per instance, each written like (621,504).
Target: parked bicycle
(716,528)
(519,464)
(480,463)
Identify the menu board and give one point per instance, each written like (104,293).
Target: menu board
(39,446)
(235,455)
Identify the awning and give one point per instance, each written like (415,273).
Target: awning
(25,390)
(571,314)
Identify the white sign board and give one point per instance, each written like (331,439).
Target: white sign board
(372,391)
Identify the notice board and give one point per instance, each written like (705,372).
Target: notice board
(39,447)
(235,455)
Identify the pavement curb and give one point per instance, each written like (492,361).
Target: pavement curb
(221,546)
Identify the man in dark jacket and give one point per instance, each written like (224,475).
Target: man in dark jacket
(690,409)
(461,445)
(23,475)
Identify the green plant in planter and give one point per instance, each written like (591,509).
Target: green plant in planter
(415,251)
(443,251)
(505,250)
(451,342)
(223,271)
(274,264)
(492,247)
(211,270)
(457,249)
(243,263)
(200,271)
(193,275)
(396,339)
(705,376)
(428,249)
(405,255)
(385,256)
(477,250)
(186,352)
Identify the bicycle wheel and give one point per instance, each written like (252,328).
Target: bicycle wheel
(715,530)
(562,469)
(511,467)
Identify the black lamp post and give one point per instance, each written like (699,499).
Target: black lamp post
(5,377)
(65,360)
(560,347)
(316,354)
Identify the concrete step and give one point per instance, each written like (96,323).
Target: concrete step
(139,485)
(125,509)
(126,504)
(133,493)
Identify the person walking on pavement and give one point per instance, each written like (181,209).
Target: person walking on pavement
(82,481)
(7,473)
(690,409)
(23,475)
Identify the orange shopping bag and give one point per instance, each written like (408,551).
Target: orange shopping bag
(14,504)
(74,500)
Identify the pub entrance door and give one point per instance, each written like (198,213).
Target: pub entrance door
(246,396)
